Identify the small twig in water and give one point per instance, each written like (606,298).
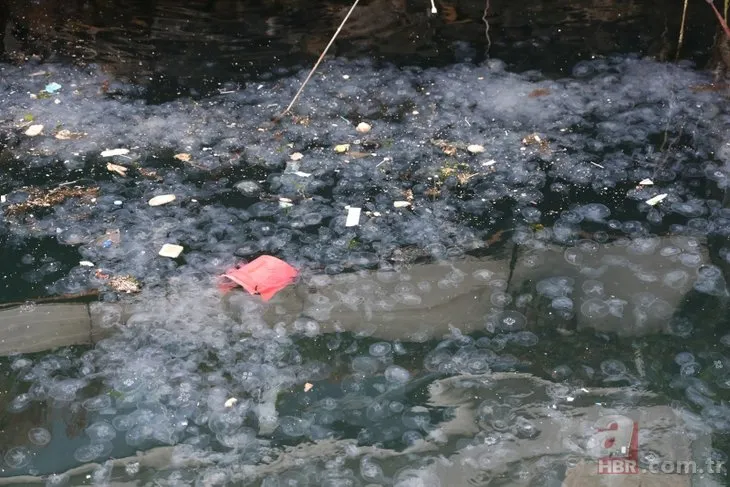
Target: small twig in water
(680,41)
(321,57)
(433,8)
(486,25)
(719,18)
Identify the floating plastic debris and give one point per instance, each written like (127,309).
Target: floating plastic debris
(231,402)
(401,204)
(646,182)
(302,174)
(171,250)
(296,156)
(114,152)
(162,199)
(342,148)
(475,149)
(34,130)
(285,203)
(656,199)
(363,127)
(353,217)
(52,87)
(86,263)
(265,275)
(308,387)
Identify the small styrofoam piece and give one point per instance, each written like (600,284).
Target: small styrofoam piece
(353,217)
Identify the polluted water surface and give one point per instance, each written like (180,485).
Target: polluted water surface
(510,278)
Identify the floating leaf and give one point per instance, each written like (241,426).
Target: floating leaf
(121,170)
(183,156)
(68,135)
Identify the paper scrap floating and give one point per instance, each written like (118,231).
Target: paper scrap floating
(265,275)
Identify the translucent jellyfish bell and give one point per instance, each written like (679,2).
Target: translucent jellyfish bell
(39,436)
(511,321)
(595,212)
(554,287)
(101,431)
(17,457)
(613,368)
(397,375)
(594,309)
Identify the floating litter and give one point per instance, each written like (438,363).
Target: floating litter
(656,199)
(163,199)
(353,217)
(114,152)
(363,127)
(265,276)
(34,130)
(171,250)
(646,182)
(296,156)
(401,204)
(475,149)
(52,87)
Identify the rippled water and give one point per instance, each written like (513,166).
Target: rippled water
(489,308)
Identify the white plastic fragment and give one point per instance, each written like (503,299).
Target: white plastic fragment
(285,203)
(3,198)
(114,152)
(302,174)
(401,204)
(656,199)
(162,199)
(170,250)
(646,182)
(230,402)
(296,156)
(363,127)
(86,263)
(34,130)
(475,149)
(488,163)
(353,217)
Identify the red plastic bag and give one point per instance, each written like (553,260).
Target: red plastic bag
(265,275)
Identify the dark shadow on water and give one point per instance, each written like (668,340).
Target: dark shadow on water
(205,46)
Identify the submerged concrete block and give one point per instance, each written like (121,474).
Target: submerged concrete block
(43,327)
